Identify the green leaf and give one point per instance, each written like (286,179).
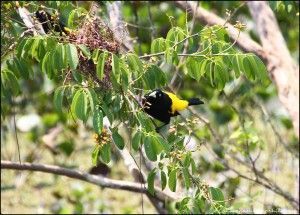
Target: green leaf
(46,66)
(145,122)
(149,79)
(154,77)
(134,63)
(34,48)
(60,57)
(50,43)
(105,153)
(171,56)
(85,50)
(72,56)
(193,165)
(20,48)
(186,176)
(150,148)
(261,70)
(221,33)
(174,36)
(101,64)
(95,155)
(161,79)
(187,160)
(92,98)
(75,16)
(52,65)
(118,140)
(158,45)
(221,76)
(77,76)
(124,75)
(217,195)
(19,67)
(71,18)
(9,81)
(211,73)
(79,105)
(202,70)
(163,144)
(115,64)
(163,179)
(58,98)
(237,64)
(27,48)
(137,140)
(172,180)
(98,121)
(249,69)
(11,65)
(158,148)
(41,50)
(150,181)
(95,55)
(199,205)
(116,74)
(107,112)
(196,67)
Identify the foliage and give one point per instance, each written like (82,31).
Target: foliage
(96,83)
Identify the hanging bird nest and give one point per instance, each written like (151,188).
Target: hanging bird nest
(95,34)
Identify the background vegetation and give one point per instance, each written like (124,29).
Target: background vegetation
(73,101)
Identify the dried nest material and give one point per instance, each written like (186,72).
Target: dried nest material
(95,34)
(88,67)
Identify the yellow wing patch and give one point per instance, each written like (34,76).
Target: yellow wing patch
(177,103)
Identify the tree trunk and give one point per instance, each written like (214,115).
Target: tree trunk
(280,64)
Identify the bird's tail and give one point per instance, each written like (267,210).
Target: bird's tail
(195,101)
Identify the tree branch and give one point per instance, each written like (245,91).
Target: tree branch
(97,180)
(274,52)
(202,15)
(260,178)
(264,181)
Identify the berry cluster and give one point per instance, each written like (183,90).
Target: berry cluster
(103,138)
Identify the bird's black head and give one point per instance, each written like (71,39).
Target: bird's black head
(42,16)
(153,96)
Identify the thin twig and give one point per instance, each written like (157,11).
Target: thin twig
(153,28)
(176,73)
(16,135)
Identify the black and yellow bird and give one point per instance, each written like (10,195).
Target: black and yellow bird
(163,105)
(49,22)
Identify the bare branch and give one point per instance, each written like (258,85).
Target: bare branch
(266,182)
(97,180)
(260,177)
